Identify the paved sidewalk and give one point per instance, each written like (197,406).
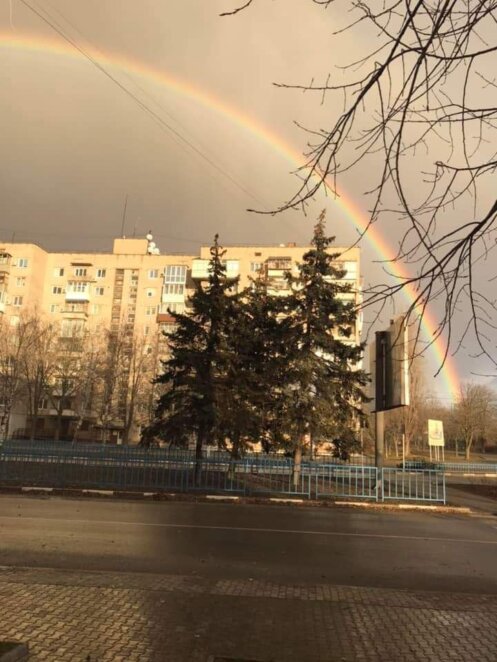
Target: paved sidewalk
(112,617)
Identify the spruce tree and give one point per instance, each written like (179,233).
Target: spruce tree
(258,339)
(195,374)
(325,386)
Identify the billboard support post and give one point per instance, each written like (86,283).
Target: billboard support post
(379,446)
(389,355)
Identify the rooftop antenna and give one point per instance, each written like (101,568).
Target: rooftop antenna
(124,216)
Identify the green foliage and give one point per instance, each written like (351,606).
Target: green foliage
(195,374)
(327,389)
(256,367)
(259,337)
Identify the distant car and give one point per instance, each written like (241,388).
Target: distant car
(418,464)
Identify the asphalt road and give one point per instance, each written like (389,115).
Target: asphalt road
(410,550)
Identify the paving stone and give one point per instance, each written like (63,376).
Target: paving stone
(107,617)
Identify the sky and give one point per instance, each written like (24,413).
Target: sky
(74,144)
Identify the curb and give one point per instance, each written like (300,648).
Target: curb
(406,506)
(228,498)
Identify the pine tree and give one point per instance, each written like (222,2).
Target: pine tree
(258,339)
(326,386)
(195,375)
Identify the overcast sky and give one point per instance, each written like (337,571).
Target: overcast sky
(74,144)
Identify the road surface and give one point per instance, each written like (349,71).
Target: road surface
(195,581)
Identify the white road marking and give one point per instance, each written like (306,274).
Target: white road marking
(209,527)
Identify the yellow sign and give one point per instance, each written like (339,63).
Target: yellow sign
(435,433)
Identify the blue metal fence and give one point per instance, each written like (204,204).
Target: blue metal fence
(469,467)
(415,485)
(358,482)
(454,467)
(98,466)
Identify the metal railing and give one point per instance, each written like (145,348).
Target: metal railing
(414,485)
(98,466)
(469,467)
(358,482)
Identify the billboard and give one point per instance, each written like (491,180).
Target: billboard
(389,357)
(435,433)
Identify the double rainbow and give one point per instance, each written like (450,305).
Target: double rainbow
(37,44)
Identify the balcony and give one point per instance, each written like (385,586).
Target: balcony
(71,295)
(200,269)
(168,297)
(76,313)
(5,262)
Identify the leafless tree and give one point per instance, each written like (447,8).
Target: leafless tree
(410,421)
(128,370)
(474,412)
(421,106)
(38,366)
(91,362)
(16,342)
(141,369)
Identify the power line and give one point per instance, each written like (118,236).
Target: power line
(52,23)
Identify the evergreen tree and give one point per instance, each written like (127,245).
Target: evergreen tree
(258,338)
(195,375)
(326,388)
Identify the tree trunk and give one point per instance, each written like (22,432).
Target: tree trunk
(5,422)
(32,429)
(79,422)
(235,455)
(58,424)
(198,455)
(468,446)
(297,465)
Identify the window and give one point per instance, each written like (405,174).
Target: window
(151,292)
(58,272)
(22,262)
(96,309)
(80,271)
(101,273)
(76,307)
(279,263)
(4,258)
(255,266)
(17,301)
(153,273)
(151,310)
(76,286)
(72,328)
(56,289)
(171,288)
(14,320)
(99,291)
(133,291)
(175,273)
(146,330)
(21,281)
(54,308)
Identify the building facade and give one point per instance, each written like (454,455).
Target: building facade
(134,287)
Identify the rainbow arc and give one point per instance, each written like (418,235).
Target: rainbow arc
(37,44)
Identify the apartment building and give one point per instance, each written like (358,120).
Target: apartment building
(135,285)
